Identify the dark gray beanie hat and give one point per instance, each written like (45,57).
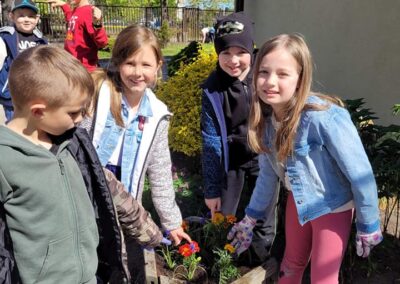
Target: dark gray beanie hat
(235,29)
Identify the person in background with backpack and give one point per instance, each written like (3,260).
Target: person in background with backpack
(21,35)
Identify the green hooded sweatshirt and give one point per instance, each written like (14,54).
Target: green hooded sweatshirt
(48,212)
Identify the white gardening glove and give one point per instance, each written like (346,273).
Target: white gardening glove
(242,234)
(366,242)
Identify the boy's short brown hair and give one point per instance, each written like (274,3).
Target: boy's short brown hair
(49,75)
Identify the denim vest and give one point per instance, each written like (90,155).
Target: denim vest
(132,136)
(138,163)
(329,167)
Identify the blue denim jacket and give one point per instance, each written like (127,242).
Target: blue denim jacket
(131,140)
(329,167)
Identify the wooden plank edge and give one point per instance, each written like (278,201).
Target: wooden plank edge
(150,267)
(259,274)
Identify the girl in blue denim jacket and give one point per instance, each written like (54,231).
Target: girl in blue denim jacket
(130,129)
(309,142)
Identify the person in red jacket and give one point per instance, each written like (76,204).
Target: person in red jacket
(86,34)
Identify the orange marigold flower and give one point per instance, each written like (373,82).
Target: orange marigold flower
(218,218)
(231,219)
(185,225)
(229,248)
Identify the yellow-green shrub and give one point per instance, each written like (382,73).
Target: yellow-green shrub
(182,94)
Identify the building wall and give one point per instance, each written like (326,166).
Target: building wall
(355,45)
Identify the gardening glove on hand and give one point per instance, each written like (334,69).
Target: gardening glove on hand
(365,242)
(166,242)
(242,234)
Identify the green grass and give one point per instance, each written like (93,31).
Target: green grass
(170,50)
(104,54)
(173,48)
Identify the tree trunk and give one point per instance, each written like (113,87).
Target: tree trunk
(164,11)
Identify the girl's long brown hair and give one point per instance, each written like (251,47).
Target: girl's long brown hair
(128,42)
(285,136)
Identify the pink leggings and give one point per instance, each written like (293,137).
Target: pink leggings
(323,239)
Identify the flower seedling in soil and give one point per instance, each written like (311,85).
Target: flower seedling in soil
(190,266)
(224,269)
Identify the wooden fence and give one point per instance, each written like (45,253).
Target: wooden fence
(185,24)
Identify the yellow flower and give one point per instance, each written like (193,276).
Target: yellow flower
(231,219)
(229,248)
(218,218)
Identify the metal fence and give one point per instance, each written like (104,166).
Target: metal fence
(184,24)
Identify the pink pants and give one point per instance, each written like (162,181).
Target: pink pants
(324,240)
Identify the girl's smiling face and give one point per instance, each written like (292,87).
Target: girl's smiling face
(277,79)
(139,71)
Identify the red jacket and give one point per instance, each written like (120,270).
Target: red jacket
(83,40)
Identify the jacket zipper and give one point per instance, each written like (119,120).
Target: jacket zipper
(75,215)
(246,90)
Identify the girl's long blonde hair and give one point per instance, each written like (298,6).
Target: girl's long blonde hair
(128,42)
(284,139)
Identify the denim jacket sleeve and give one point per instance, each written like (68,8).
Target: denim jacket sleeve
(344,144)
(212,163)
(266,185)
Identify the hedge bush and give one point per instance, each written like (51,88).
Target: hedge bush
(182,94)
(183,57)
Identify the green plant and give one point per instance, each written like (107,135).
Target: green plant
(211,234)
(382,144)
(164,34)
(215,232)
(183,57)
(182,94)
(168,255)
(396,109)
(190,263)
(224,269)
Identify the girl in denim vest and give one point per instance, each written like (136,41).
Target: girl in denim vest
(130,128)
(309,142)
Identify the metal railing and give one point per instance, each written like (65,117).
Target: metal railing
(185,24)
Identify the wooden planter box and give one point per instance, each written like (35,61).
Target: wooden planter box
(257,275)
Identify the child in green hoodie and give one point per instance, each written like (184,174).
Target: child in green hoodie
(57,217)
